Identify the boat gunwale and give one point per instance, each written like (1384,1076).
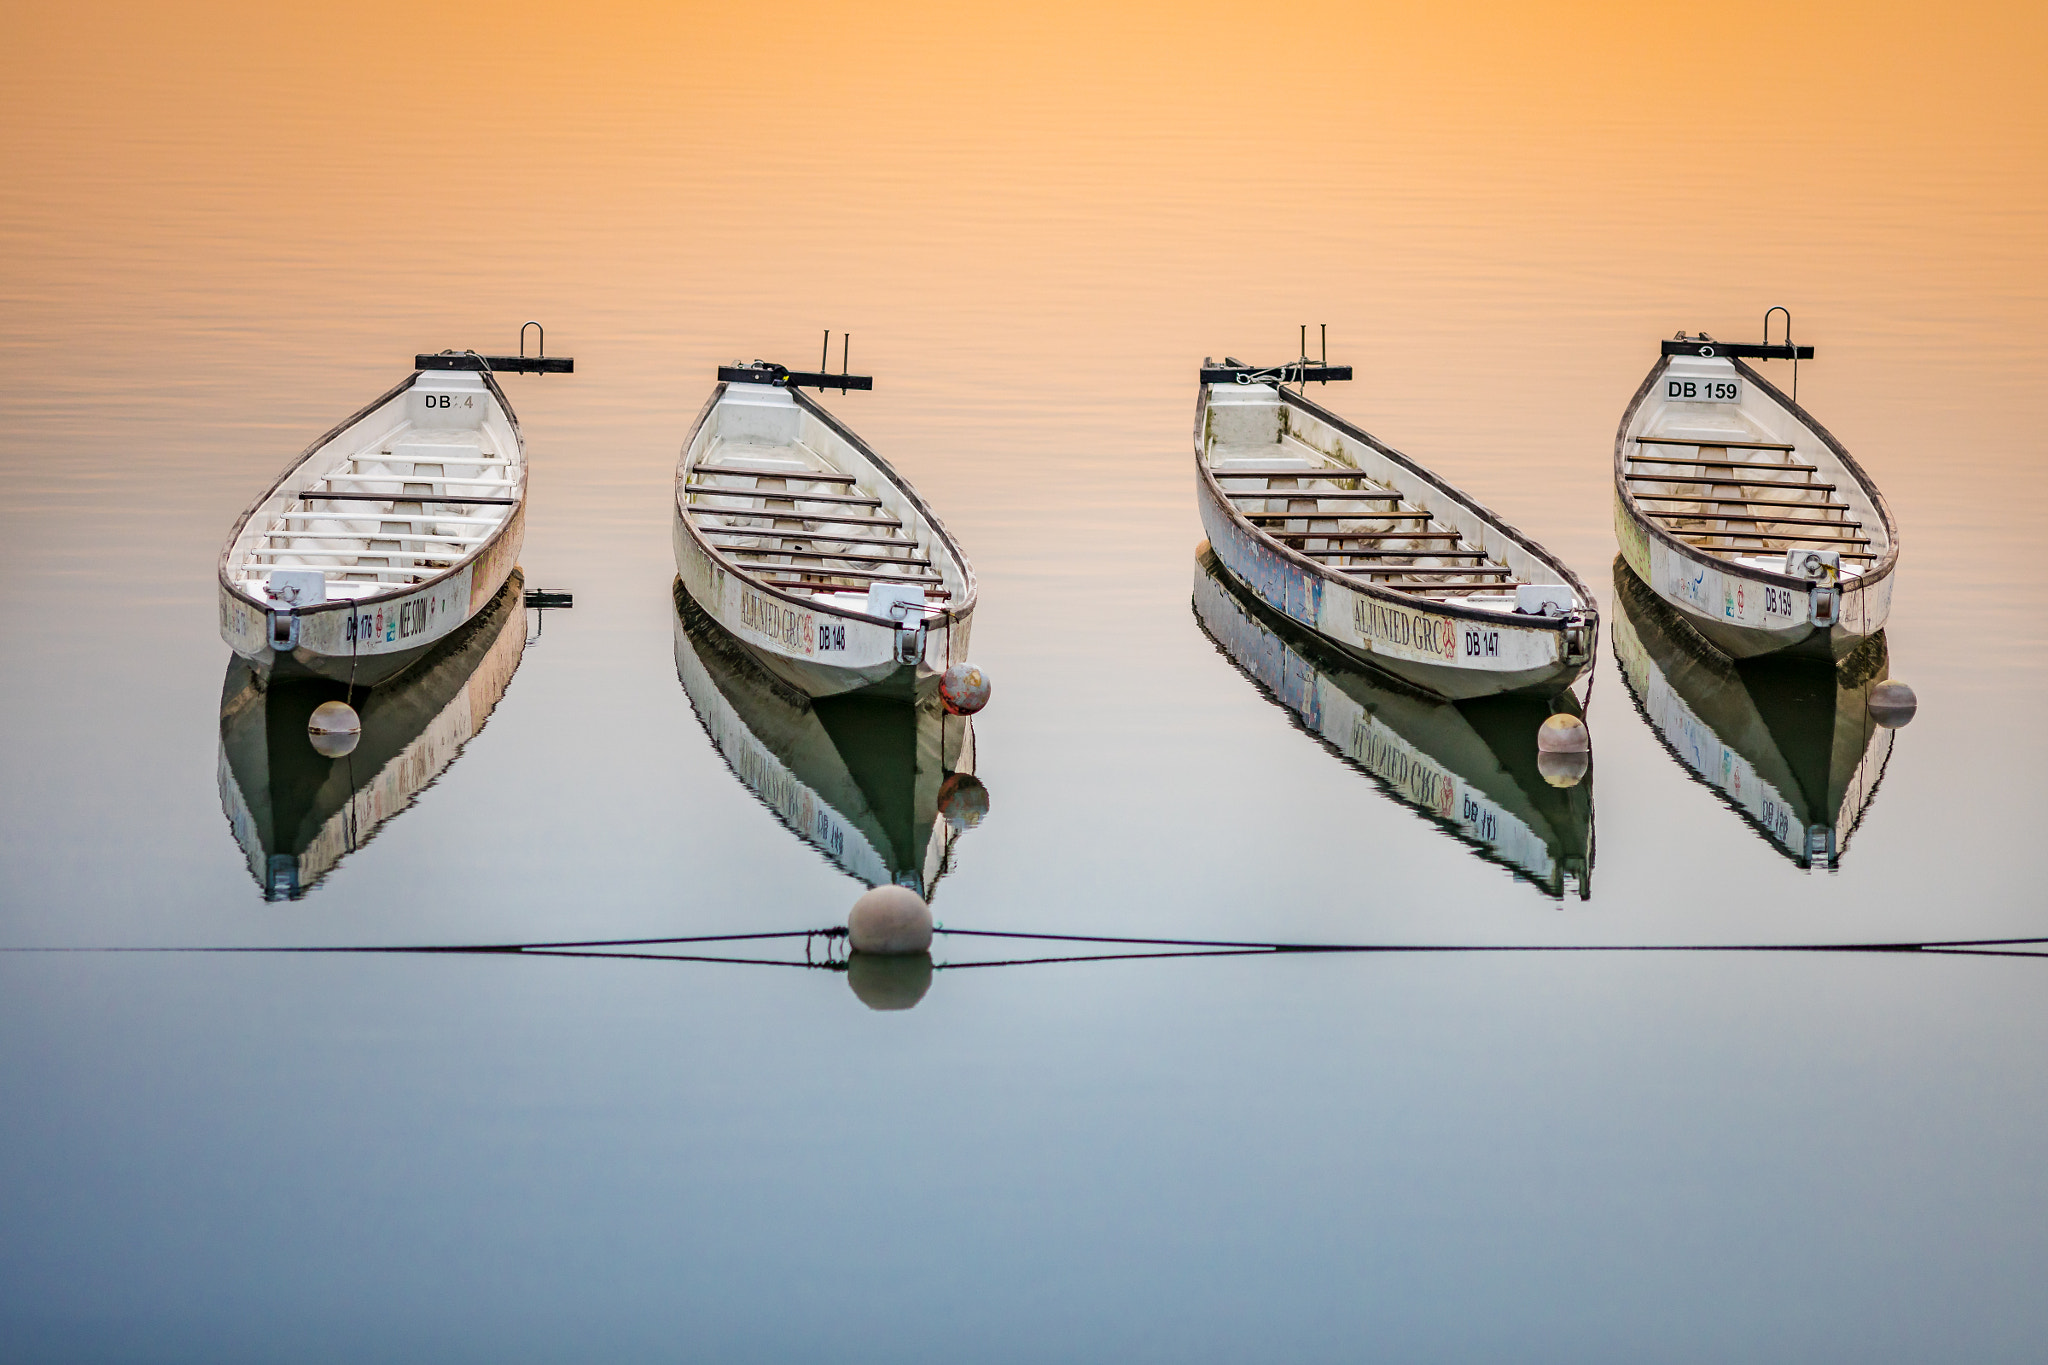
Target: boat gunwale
(946,616)
(1589,609)
(397,589)
(1876,573)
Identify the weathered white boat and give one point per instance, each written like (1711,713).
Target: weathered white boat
(881,787)
(295,812)
(1744,513)
(1470,768)
(388,533)
(797,538)
(1788,743)
(1385,560)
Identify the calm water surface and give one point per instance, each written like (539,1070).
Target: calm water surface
(225,229)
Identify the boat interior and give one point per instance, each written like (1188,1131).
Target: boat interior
(1356,520)
(1719,478)
(780,494)
(401,496)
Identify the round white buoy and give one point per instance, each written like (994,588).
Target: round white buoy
(963,801)
(1564,769)
(964,689)
(890,921)
(1563,735)
(335,729)
(1892,704)
(889,983)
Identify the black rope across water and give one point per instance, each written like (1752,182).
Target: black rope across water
(832,956)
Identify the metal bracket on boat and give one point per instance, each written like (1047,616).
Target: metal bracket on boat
(909,643)
(284,631)
(540,362)
(1301,372)
(1827,605)
(781,377)
(1579,633)
(1705,345)
(542,600)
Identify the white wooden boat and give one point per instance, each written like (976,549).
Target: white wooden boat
(881,787)
(1374,553)
(386,535)
(1740,510)
(1470,768)
(297,813)
(797,538)
(1788,743)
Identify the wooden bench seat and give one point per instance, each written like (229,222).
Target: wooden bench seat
(785,494)
(1721,442)
(1728,483)
(1312,515)
(784,514)
(822,555)
(1304,494)
(1721,464)
(801,475)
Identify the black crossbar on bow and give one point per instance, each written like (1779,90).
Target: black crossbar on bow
(1298,373)
(782,378)
(1744,350)
(496,364)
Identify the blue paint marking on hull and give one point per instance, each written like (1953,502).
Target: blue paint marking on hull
(1279,582)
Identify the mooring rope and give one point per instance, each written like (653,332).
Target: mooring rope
(2032,946)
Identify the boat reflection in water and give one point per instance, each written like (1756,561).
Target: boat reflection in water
(1788,742)
(295,812)
(1469,767)
(881,787)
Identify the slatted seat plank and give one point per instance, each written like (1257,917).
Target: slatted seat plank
(829,537)
(1721,464)
(1325,494)
(451,500)
(1336,516)
(815,585)
(827,555)
(1285,472)
(785,514)
(1362,535)
(1422,571)
(785,494)
(1724,444)
(1825,505)
(801,475)
(1759,535)
(1766,520)
(1727,483)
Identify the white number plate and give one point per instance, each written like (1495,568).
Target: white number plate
(1680,390)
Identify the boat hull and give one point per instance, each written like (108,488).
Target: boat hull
(1748,612)
(784,632)
(1433,650)
(370,643)
(821,648)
